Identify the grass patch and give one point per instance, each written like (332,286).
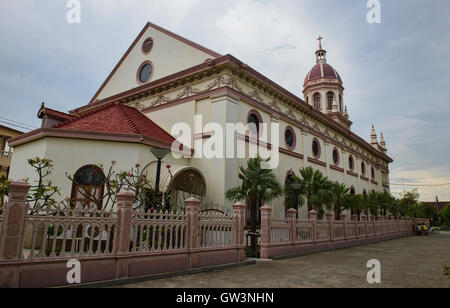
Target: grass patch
(447,270)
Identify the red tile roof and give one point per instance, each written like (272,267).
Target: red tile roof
(54,114)
(328,72)
(117,118)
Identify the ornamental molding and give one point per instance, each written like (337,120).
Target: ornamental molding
(231,82)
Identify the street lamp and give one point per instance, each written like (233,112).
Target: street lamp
(159,153)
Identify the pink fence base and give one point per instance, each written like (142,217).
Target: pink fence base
(196,241)
(274,244)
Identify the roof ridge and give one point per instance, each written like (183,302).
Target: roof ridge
(127,118)
(86,114)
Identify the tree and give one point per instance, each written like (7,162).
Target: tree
(409,204)
(446,215)
(373,200)
(340,194)
(355,204)
(316,189)
(258,185)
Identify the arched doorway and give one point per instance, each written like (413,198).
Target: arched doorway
(177,183)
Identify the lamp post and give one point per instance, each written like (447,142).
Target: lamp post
(159,153)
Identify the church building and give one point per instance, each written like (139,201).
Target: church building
(164,79)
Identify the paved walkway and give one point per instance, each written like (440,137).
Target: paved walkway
(406,262)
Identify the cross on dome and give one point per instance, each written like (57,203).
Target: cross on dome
(320,41)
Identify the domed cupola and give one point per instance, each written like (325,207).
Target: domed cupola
(323,89)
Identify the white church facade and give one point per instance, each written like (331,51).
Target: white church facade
(164,79)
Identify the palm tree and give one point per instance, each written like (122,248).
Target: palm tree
(373,202)
(354,203)
(258,185)
(315,187)
(340,195)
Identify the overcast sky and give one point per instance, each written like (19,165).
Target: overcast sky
(396,74)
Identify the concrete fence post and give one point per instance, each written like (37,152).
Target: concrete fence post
(292,214)
(123,229)
(12,235)
(266,214)
(192,208)
(344,222)
(330,219)
(313,218)
(366,224)
(14,222)
(238,232)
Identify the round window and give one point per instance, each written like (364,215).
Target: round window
(335,157)
(351,163)
(145,72)
(253,123)
(289,137)
(316,148)
(147,45)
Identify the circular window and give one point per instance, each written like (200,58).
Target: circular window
(254,121)
(145,72)
(289,137)
(316,148)
(147,45)
(363,168)
(351,163)
(336,156)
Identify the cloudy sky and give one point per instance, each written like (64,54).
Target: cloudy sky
(396,73)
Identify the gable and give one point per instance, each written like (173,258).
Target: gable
(170,54)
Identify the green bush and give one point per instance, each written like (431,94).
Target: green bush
(446,216)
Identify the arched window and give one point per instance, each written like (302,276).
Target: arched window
(316,151)
(317,99)
(254,120)
(291,193)
(290,138)
(363,168)
(330,99)
(351,163)
(336,158)
(88,187)
(373,173)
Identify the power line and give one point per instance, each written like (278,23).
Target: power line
(16,125)
(20,123)
(420,185)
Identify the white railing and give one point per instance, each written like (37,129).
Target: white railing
(280,230)
(158,232)
(215,230)
(64,232)
(304,230)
